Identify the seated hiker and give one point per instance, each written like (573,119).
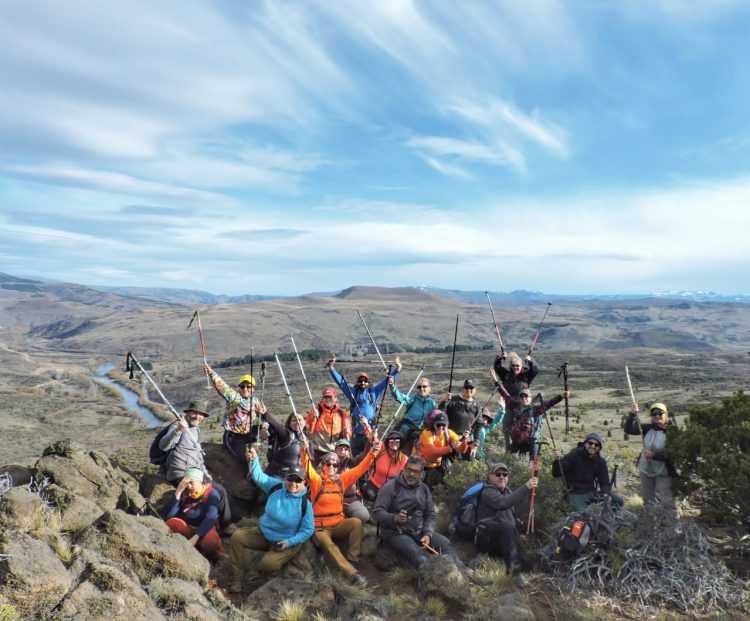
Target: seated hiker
(388,464)
(194,513)
(353,505)
(285,443)
(327,493)
(284,526)
(654,466)
(243,411)
(495,531)
(484,426)
(585,473)
(405,512)
(418,406)
(363,400)
(326,424)
(179,444)
(437,445)
(514,379)
(526,430)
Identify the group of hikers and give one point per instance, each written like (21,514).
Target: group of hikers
(328,473)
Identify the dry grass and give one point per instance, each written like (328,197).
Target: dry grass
(435,607)
(290,611)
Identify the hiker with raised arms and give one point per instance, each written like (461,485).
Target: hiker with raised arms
(487,515)
(353,505)
(437,445)
(405,513)
(285,525)
(180,444)
(585,473)
(194,513)
(526,432)
(462,410)
(327,489)
(485,424)
(285,443)
(327,423)
(514,378)
(388,465)
(363,400)
(243,411)
(418,406)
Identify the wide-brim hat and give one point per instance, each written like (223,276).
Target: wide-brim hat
(197,406)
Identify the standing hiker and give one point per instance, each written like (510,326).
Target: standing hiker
(363,400)
(654,466)
(327,489)
(462,410)
(327,423)
(514,378)
(437,445)
(285,525)
(194,513)
(526,432)
(388,464)
(485,424)
(418,406)
(243,412)
(181,443)
(285,443)
(585,473)
(353,505)
(405,513)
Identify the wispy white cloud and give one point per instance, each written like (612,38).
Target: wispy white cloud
(445,154)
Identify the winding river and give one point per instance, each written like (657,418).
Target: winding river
(129,398)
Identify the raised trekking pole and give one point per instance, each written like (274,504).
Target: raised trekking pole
(636,409)
(197,317)
(400,405)
(535,339)
(372,340)
(453,357)
(304,377)
(535,450)
(300,422)
(494,322)
(382,400)
(564,372)
(131,360)
(262,379)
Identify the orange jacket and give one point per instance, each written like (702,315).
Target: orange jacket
(386,468)
(433,447)
(332,424)
(327,495)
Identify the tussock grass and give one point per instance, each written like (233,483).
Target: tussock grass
(401,602)
(290,611)
(435,607)
(61,546)
(8,613)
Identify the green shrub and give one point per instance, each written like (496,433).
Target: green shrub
(712,453)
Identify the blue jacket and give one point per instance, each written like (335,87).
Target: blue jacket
(202,515)
(361,402)
(481,431)
(282,520)
(417,407)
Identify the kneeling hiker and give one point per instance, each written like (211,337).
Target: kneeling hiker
(437,445)
(585,473)
(494,526)
(327,493)
(405,512)
(284,526)
(194,513)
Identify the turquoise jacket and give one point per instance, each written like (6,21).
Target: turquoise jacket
(417,407)
(282,520)
(481,431)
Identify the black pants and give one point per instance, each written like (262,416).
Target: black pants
(499,539)
(410,436)
(236,444)
(409,549)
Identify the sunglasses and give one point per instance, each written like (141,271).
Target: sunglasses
(332,464)
(440,426)
(596,444)
(525,396)
(657,413)
(294,479)
(502,473)
(245,386)
(423,387)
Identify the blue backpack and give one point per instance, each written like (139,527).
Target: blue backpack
(464,522)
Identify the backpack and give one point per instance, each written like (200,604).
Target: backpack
(157,456)
(464,522)
(522,428)
(573,538)
(305,500)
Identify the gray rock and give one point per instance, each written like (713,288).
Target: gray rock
(183,599)
(21,510)
(32,578)
(440,576)
(77,512)
(264,601)
(146,545)
(157,491)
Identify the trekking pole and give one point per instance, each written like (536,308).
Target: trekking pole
(636,409)
(564,372)
(453,356)
(430,549)
(400,405)
(197,316)
(535,449)
(372,340)
(304,377)
(262,379)
(300,422)
(494,321)
(534,340)
(382,400)
(131,360)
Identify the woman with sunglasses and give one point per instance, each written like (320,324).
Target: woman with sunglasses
(418,406)
(284,526)
(437,445)
(514,379)
(388,465)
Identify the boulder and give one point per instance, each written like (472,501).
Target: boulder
(185,600)
(146,545)
(77,512)
(157,491)
(264,602)
(32,578)
(22,510)
(509,607)
(232,476)
(440,576)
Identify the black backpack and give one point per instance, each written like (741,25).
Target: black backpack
(155,455)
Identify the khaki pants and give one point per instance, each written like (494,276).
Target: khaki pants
(244,540)
(350,530)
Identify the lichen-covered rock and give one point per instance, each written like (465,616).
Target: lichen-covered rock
(32,578)
(76,511)
(157,491)
(264,601)
(185,600)
(146,545)
(21,510)
(440,576)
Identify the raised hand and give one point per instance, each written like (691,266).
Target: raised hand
(397,361)
(182,424)
(251,454)
(331,361)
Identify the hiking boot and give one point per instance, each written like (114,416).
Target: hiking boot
(359,580)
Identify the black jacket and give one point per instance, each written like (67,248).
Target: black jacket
(582,473)
(285,446)
(461,413)
(496,505)
(395,496)
(513,384)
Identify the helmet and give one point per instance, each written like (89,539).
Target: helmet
(246,379)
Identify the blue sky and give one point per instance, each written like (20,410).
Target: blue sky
(287,147)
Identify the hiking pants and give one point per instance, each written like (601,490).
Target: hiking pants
(349,530)
(357,509)
(209,545)
(244,540)
(506,439)
(409,435)
(236,444)
(411,551)
(579,502)
(498,539)
(659,489)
